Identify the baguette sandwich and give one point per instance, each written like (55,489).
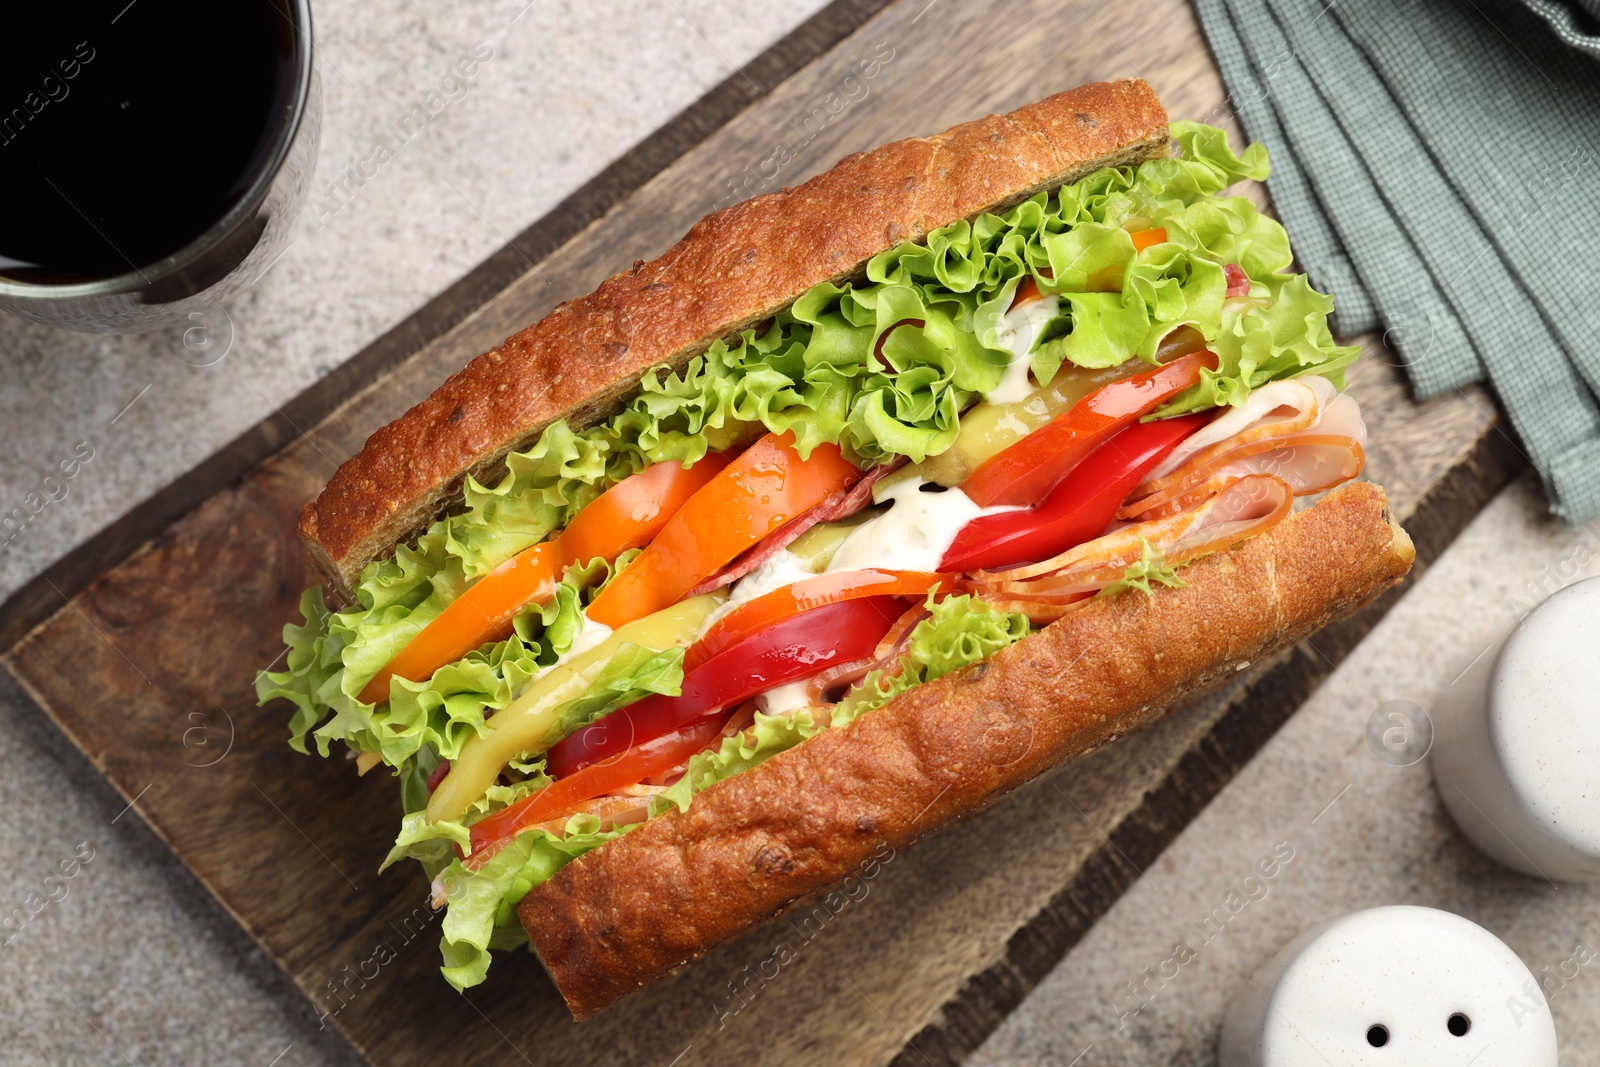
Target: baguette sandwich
(863,504)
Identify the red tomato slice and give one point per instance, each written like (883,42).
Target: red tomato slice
(1025,472)
(663,753)
(796,648)
(627,515)
(1077,510)
(768,485)
(751,618)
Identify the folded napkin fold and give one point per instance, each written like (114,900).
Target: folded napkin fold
(1439,165)
(1577,22)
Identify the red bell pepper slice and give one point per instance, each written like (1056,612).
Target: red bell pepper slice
(796,648)
(752,617)
(1077,510)
(1024,473)
(628,768)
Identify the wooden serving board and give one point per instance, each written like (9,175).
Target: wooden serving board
(926,957)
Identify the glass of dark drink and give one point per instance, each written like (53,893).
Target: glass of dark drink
(154,154)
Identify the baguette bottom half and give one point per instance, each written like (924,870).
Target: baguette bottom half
(623,915)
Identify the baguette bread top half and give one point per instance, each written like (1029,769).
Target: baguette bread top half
(736,267)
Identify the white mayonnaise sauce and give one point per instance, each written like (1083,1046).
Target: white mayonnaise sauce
(1020,333)
(784,568)
(783,699)
(592,634)
(914,534)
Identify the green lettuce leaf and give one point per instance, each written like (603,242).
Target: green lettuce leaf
(961,631)
(1256,345)
(310,680)
(414,779)
(480,908)
(765,738)
(542,490)
(431,843)
(840,367)
(1151,566)
(321,680)
(631,674)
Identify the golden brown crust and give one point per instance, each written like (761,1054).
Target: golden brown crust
(626,913)
(735,267)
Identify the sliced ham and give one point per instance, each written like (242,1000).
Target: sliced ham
(1242,509)
(638,790)
(841,505)
(612,811)
(1301,431)
(1039,612)
(1271,410)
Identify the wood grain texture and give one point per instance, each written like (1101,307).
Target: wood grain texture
(950,934)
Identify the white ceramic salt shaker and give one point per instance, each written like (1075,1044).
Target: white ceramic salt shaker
(1393,985)
(1517,742)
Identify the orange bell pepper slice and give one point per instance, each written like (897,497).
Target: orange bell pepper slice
(768,485)
(1143,239)
(628,515)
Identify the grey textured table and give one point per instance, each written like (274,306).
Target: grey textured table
(136,964)
(1364,833)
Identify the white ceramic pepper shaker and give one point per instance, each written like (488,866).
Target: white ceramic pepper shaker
(1517,742)
(1390,985)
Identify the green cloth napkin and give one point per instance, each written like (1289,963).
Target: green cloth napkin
(1438,167)
(1577,22)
